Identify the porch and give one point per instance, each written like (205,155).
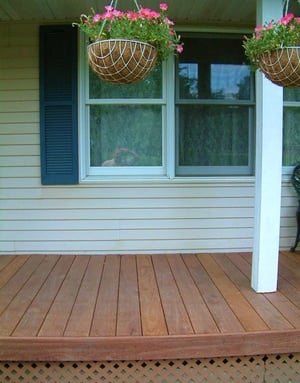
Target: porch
(142,307)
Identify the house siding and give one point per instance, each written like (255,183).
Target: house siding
(204,215)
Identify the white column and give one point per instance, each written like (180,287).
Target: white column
(268,169)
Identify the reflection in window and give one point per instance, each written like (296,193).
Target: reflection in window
(225,81)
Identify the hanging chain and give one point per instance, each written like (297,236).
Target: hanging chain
(136,4)
(285,7)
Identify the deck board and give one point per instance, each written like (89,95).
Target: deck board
(18,306)
(226,320)
(273,319)
(135,307)
(129,320)
(152,314)
(177,318)
(194,302)
(238,303)
(60,310)
(105,315)
(32,320)
(79,323)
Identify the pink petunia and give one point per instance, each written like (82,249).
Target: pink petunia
(107,16)
(96,18)
(179,48)
(108,8)
(286,19)
(132,16)
(168,21)
(117,13)
(163,6)
(259,28)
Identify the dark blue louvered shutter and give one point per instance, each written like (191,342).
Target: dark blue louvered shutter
(58,105)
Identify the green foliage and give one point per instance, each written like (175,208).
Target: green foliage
(145,25)
(274,35)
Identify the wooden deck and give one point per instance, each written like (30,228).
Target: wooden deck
(84,308)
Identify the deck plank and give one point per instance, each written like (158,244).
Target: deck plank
(105,315)
(290,270)
(18,279)
(17,307)
(15,264)
(177,319)
(32,320)
(192,298)
(129,320)
(152,315)
(286,307)
(80,320)
(5,260)
(58,315)
(222,313)
(271,316)
(289,290)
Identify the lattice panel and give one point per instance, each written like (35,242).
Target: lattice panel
(258,369)
(283,368)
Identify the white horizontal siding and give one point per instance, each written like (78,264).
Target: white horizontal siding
(149,217)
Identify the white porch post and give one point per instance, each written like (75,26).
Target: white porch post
(268,169)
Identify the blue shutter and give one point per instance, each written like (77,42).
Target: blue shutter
(58,105)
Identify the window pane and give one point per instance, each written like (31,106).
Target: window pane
(213,135)
(125,135)
(150,87)
(213,69)
(291,136)
(291,94)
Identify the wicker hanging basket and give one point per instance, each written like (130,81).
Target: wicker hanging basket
(120,61)
(282,66)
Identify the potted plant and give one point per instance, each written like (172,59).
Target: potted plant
(274,48)
(125,46)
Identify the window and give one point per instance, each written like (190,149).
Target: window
(214,108)
(192,116)
(291,127)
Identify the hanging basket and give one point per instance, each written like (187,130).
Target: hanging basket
(282,66)
(120,61)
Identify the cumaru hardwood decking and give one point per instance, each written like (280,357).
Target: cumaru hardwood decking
(139,307)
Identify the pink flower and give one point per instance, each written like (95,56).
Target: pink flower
(96,18)
(286,19)
(148,13)
(259,28)
(109,8)
(117,13)
(107,16)
(163,6)
(132,16)
(168,21)
(179,48)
